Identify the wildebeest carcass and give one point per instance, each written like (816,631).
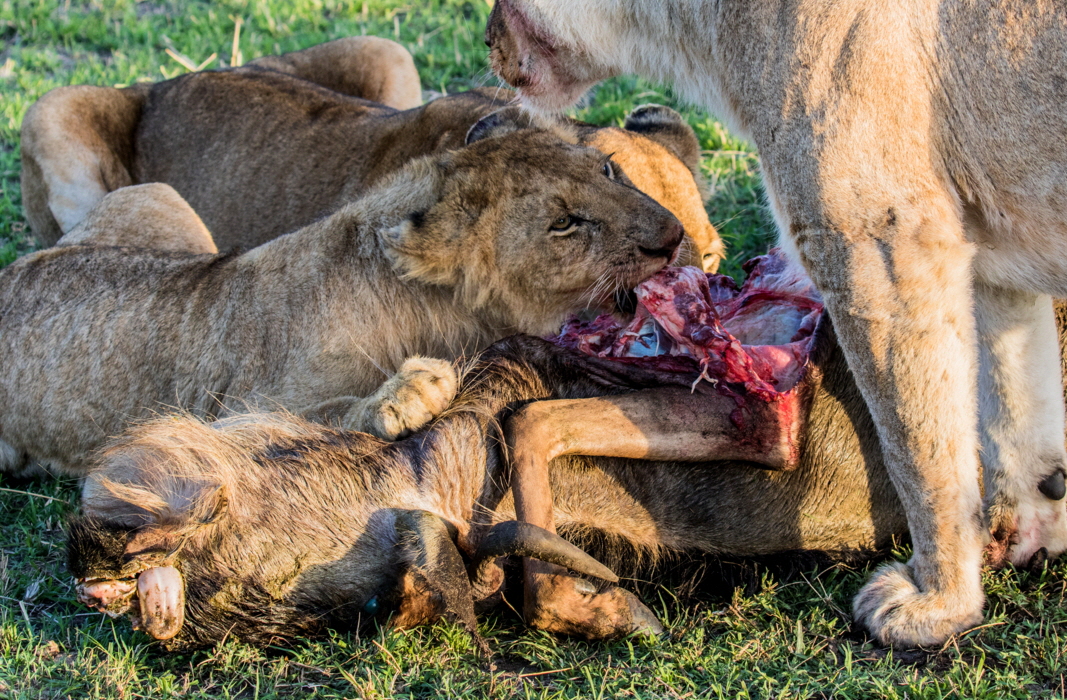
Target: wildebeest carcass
(264,526)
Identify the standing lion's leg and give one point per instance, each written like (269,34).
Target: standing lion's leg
(896,280)
(1022,423)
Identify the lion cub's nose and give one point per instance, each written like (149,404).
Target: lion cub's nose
(668,241)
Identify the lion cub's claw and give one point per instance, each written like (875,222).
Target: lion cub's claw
(895,611)
(420,390)
(570,605)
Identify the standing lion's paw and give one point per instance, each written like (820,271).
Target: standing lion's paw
(896,612)
(420,390)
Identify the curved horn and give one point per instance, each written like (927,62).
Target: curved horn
(428,541)
(514,538)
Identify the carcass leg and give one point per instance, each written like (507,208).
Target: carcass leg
(660,424)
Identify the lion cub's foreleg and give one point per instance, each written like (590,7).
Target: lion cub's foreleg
(1022,424)
(420,390)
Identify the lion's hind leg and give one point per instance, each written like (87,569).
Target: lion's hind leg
(77,145)
(1022,424)
(368,67)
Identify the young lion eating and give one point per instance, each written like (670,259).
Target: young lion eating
(510,233)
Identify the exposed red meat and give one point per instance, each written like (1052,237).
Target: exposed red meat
(752,340)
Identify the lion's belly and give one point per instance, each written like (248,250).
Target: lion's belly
(1022,244)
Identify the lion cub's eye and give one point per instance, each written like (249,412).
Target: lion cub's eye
(609,171)
(562,224)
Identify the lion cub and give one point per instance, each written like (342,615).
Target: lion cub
(508,234)
(262,150)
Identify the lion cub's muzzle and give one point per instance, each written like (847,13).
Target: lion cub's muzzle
(665,243)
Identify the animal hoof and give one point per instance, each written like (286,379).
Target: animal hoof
(1038,560)
(569,605)
(161,591)
(111,596)
(584,587)
(420,390)
(893,608)
(1053,486)
(645,622)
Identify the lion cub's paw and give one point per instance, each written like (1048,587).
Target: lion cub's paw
(895,611)
(411,398)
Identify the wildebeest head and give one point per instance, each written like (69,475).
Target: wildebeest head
(265,526)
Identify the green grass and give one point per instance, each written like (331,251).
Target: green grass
(776,639)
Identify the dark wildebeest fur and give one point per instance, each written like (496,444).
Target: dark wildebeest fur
(281,528)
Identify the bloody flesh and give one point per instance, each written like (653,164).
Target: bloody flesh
(753,340)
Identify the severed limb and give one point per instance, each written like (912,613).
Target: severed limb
(669,423)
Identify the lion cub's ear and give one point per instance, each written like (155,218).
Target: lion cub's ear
(422,252)
(501,122)
(667,128)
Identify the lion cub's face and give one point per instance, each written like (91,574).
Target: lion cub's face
(530,227)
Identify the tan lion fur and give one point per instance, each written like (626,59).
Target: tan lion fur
(370,67)
(915,158)
(451,253)
(148,216)
(261,150)
(78,142)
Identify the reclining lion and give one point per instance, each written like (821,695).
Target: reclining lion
(261,150)
(511,232)
(79,142)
